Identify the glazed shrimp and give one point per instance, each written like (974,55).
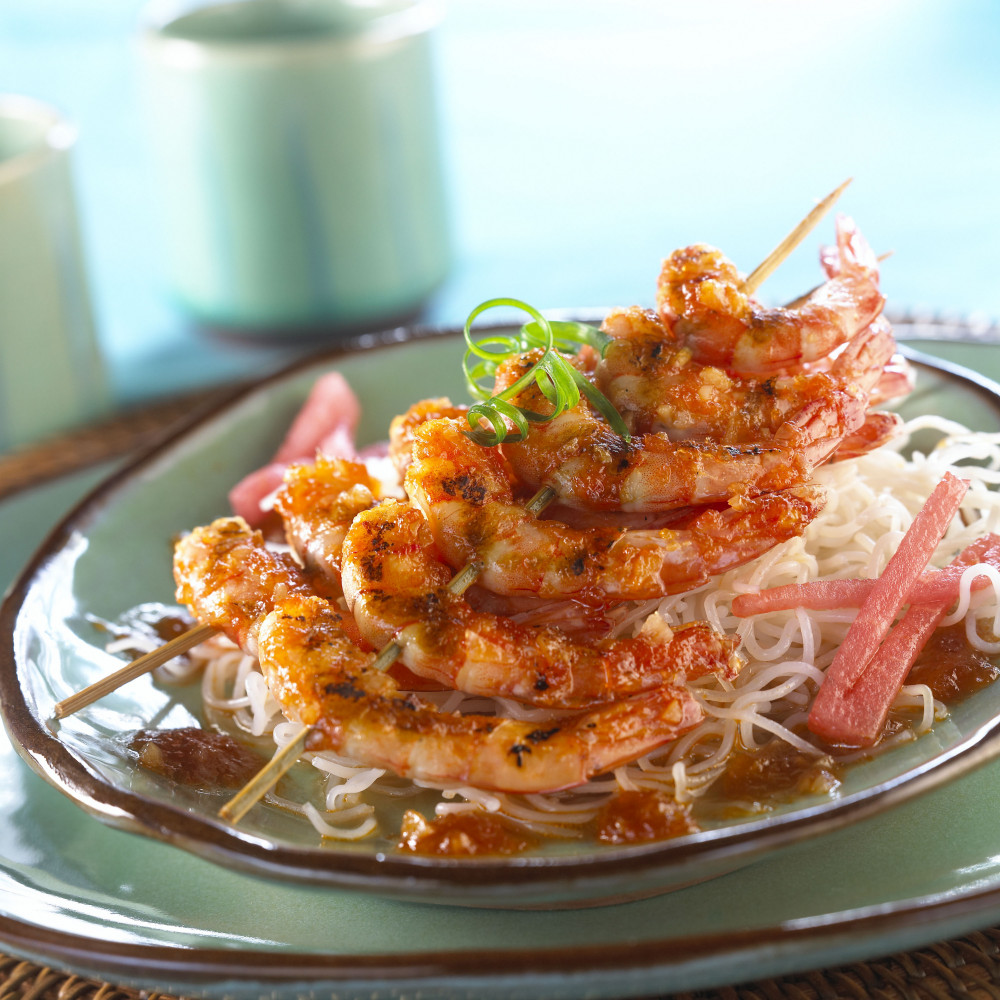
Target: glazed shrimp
(465,492)
(701,434)
(699,296)
(317,504)
(396,588)
(320,677)
(402,428)
(229,579)
(660,388)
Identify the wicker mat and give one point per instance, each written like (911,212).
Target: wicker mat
(965,967)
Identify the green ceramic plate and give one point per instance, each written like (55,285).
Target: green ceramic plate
(86,896)
(113,551)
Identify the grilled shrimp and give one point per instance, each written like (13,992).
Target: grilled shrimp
(465,492)
(701,435)
(229,579)
(317,504)
(701,299)
(397,589)
(660,388)
(319,676)
(402,428)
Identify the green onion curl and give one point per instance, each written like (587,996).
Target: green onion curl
(558,381)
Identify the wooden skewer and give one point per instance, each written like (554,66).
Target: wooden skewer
(149,661)
(268,776)
(198,634)
(757,277)
(265,779)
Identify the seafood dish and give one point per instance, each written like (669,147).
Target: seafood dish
(679,566)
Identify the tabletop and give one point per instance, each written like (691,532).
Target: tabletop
(584,140)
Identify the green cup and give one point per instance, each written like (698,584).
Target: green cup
(51,373)
(299,157)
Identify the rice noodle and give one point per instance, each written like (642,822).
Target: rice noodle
(871,502)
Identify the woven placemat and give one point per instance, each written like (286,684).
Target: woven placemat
(966,967)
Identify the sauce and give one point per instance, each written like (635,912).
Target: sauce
(950,667)
(153,620)
(461,835)
(639,816)
(776,772)
(198,758)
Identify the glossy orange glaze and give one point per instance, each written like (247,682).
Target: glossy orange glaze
(397,589)
(638,816)
(317,503)
(657,386)
(316,673)
(229,579)
(699,287)
(402,427)
(466,494)
(461,835)
(776,772)
(951,667)
(700,296)
(198,758)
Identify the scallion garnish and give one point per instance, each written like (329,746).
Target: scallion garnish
(558,381)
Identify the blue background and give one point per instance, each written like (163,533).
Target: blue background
(584,141)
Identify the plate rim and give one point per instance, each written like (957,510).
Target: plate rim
(506,879)
(151,962)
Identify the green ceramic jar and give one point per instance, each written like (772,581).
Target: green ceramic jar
(51,375)
(300,161)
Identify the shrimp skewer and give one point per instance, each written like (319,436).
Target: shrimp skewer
(465,492)
(319,675)
(396,589)
(703,435)
(659,388)
(230,580)
(701,298)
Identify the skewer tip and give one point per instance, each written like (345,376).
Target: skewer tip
(142,665)
(264,780)
(756,278)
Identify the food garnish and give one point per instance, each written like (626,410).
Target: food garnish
(941,585)
(560,383)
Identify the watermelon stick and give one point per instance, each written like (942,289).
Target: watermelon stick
(824,595)
(829,718)
(861,714)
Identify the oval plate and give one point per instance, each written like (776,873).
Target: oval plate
(113,551)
